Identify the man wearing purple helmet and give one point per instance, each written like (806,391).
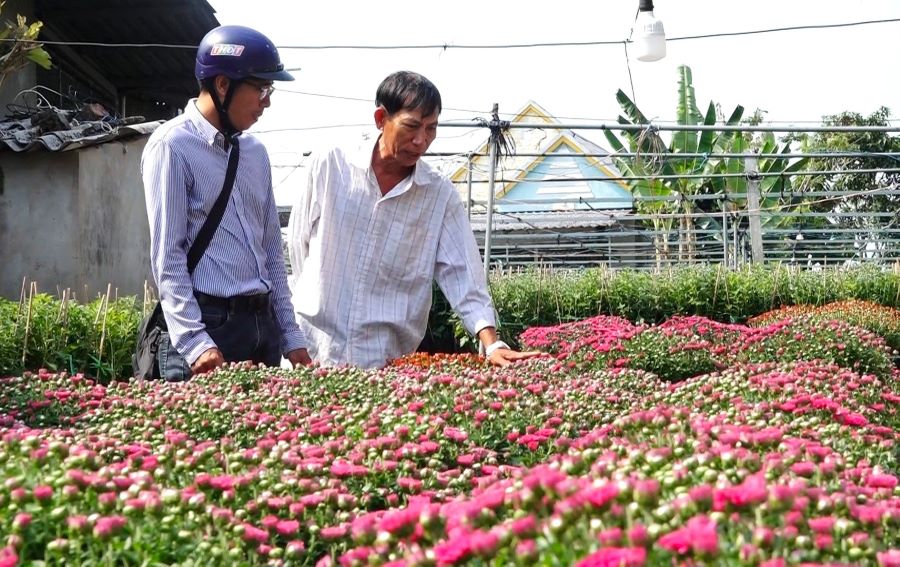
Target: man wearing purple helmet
(235,304)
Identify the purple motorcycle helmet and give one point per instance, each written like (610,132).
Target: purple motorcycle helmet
(239,52)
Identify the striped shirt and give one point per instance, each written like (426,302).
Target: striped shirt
(183,166)
(363,264)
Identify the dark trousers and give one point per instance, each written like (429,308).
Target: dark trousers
(243,328)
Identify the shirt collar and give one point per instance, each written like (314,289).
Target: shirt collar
(362,158)
(207,131)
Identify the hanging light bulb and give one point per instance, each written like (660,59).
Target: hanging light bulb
(650,36)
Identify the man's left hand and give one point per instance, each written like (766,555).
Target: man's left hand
(299,357)
(506,356)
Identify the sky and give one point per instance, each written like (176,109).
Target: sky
(795,77)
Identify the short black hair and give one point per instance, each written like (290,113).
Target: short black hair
(208,84)
(410,91)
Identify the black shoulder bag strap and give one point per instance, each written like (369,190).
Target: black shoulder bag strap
(204,237)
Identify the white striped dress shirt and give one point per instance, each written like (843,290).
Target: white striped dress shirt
(183,166)
(363,264)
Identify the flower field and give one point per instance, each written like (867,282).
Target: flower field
(690,442)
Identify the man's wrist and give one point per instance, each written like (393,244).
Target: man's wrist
(498,344)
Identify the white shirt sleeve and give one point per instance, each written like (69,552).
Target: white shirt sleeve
(459,271)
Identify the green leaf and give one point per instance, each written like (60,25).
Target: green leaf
(40,57)
(630,108)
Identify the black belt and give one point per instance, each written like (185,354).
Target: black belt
(237,304)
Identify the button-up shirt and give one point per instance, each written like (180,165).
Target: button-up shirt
(183,166)
(363,263)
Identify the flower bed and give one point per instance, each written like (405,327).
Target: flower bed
(778,446)
(877,318)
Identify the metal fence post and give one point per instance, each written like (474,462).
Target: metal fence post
(469,187)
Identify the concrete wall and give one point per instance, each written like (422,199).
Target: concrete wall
(74,220)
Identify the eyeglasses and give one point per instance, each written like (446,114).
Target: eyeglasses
(264,90)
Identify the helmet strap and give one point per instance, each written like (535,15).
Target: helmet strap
(228,128)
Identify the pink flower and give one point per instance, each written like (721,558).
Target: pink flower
(678,541)
(616,557)
(294,548)
(853,419)
(822,525)
(43,493)
(108,525)
(222,482)
(466,460)
(268,522)
(523,526)
(804,468)
(252,534)
(452,551)
(610,537)
(287,527)
(455,434)
(399,522)
(8,557)
(751,492)
(483,543)
(699,535)
(874,481)
(823,541)
(599,497)
(526,550)
(22,520)
(333,532)
(890,558)
(638,535)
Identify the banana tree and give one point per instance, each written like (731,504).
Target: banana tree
(650,191)
(693,175)
(681,172)
(776,182)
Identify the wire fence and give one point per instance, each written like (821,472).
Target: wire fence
(813,208)
(788,204)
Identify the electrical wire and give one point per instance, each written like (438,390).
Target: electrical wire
(447,46)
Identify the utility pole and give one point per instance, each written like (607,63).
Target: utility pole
(489,221)
(756,246)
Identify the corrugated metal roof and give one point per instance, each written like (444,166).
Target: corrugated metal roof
(37,132)
(509,222)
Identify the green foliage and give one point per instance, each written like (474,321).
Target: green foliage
(16,54)
(44,332)
(695,169)
(537,297)
(876,145)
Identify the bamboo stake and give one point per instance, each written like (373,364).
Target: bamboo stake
(104,304)
(65,317)
(774,287)
(21,306)
(716,287)
(32,291)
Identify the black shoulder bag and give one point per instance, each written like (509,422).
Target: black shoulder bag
(144,359)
